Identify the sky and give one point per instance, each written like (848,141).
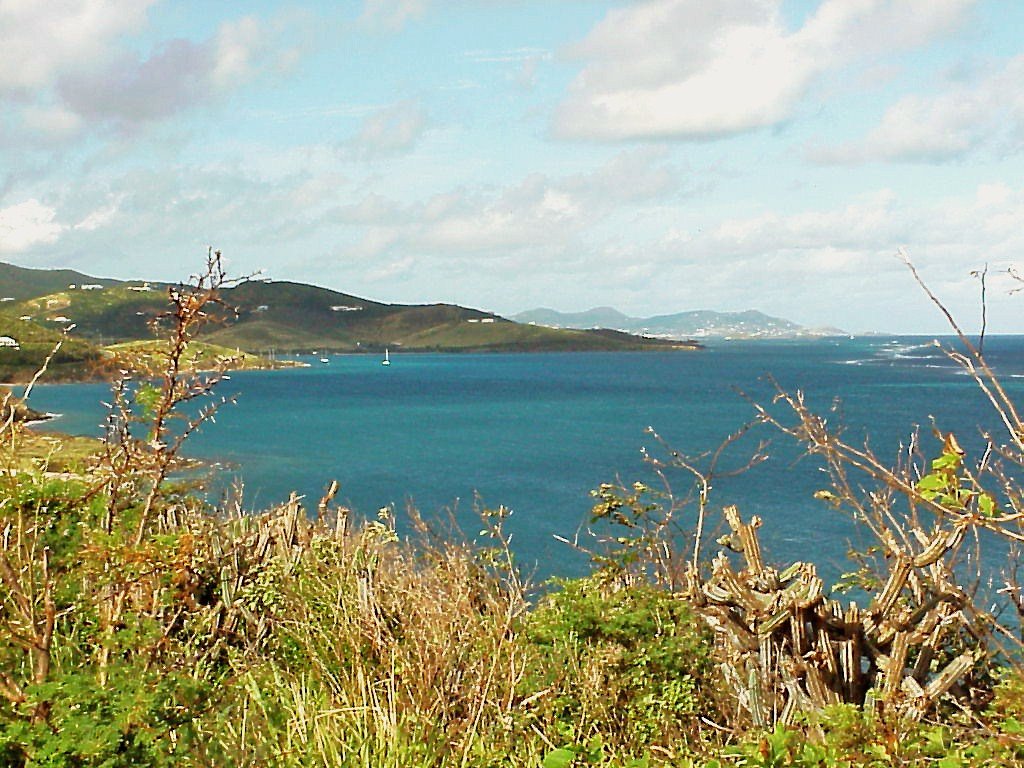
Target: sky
(656,156)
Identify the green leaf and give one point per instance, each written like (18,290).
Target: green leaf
(560,758)
(1012,725)
(595,749)
(947,461)
(951,501)
(987,505)
(932,482)
(148,396)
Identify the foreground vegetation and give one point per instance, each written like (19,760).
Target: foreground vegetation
(141,626)
(276,640)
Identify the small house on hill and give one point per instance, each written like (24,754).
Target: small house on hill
(8,341)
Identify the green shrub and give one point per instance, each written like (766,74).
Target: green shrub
(629,664)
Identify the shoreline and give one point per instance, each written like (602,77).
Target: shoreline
(44,419)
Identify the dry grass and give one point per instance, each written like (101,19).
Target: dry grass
(380,647)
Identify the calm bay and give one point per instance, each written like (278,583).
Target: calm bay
(537,432)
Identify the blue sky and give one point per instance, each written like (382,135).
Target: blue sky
(655,155)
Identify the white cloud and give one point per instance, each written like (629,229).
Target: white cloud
(130,89)
(600,237)
(873,222)
(377,241)
(98,218)
(156,222)
(523,63)
(372,209)
(691,69)
(631,176)
(41,41)
(239,46)
(27,225)
(75,71)
(537,213)
(392,130)
(836,265)
(963,117)
(848,29)
(53,122)
(392,14)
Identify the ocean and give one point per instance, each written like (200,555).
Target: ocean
(537,432)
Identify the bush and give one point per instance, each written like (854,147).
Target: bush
(629,664)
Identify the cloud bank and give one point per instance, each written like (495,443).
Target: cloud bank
(688,69)
(75,72)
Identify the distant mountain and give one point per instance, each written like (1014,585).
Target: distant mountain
(681,325)
(279,315)
(599,317)
(18,283)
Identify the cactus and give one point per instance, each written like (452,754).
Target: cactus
(786,649)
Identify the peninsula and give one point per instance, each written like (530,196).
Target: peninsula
(262,320)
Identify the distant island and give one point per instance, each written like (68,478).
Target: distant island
(265,319)
(750,324)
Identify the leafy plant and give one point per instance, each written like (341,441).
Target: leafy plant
(631,664)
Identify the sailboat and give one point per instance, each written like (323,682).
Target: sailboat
(386,360)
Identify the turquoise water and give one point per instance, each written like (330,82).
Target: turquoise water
(536,432)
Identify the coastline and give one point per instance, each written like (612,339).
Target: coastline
(44,419)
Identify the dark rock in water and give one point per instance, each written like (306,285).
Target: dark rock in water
(22,412)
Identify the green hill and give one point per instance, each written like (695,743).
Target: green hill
(76,359)
(106,315)
(290,317)
(296,317)
(150,357)
(19,283)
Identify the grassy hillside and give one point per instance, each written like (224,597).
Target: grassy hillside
(76,359)
(504,335)
(300,317)
(291,316)
(150,357)
(49,453)
(80,360)
(288,316)
(21,283)
(108,315)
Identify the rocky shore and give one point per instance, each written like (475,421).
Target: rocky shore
(21,413)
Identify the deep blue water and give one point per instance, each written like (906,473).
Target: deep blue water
(536,432)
